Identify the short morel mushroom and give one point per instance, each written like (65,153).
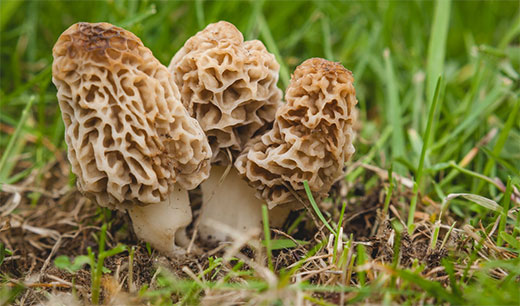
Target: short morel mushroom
(131,142)
(311,138)
(229,86)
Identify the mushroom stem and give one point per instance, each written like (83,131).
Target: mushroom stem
(229,201)
(163,223)
(279,214)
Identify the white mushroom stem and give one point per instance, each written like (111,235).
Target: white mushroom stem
(162,224)
(230,201)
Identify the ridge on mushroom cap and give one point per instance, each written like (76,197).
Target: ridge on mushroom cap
(129,137)
(311,138)
(215,33)
(320,65)
(228,85)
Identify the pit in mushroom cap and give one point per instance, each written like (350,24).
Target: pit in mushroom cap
(228,85)
(311,138)
(130,140)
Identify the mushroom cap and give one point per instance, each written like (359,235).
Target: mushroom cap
(129,137)
(228,85)
(311,137)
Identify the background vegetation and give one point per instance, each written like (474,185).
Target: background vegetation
(396,50)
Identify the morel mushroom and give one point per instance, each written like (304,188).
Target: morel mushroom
(311,138)
(131,142)
(229,86)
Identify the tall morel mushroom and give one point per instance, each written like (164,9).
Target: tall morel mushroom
(229,86)
(131,142)
(311,138)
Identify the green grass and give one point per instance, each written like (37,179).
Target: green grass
(397,50)
(426,140)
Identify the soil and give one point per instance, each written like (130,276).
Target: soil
(38,225)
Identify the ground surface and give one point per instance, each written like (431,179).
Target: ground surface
(453,237)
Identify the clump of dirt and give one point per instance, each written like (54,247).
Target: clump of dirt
(416,247)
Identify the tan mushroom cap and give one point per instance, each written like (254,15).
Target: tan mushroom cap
(311,138)
(228,85)
(129,137)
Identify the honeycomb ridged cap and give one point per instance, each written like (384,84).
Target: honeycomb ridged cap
(129,137)
(228,85)
(311,138)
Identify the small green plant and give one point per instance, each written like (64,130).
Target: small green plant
(63,262)
(3,252)
(167,285)
(96,263)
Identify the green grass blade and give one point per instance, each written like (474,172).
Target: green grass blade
(389,191)
(327,43)
(501,141)
(42,75)
(477,199)
(298,34)
(138,17)
(381,141)
(445,236)
(398,229)
(7,8)
(513,242)
(199,8)
(418,85)
(474,174)
(267,237)
(435,289)
(426,142)
(252,27)
(393,112)
(272,47)
(316,208)
(437,46)
(429,125)
(278,244)
(513,32)
(7,154)
(505,210)
(450,269)
(361,258)
(471,121)
(502,161)
(20,175)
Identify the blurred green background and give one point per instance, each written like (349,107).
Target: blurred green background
(396,50)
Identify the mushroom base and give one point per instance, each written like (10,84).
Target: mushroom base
(163,224)
(279,214)
(229,207)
